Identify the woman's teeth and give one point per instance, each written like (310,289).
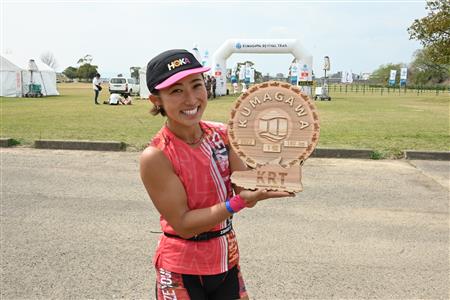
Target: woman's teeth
(190,112)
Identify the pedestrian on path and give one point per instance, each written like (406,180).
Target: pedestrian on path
(96,85)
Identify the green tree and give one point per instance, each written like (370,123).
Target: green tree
(71,72)
(433,31)
(134,71)
(87,59)
(382,74)
(423,70)
(86,71)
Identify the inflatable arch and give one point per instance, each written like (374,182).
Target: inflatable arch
(293,46)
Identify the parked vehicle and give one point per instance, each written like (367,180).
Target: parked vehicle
(322,93)
(122,85)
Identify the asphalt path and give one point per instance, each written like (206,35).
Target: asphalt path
(79,225)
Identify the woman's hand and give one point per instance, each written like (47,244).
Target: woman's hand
(252,197)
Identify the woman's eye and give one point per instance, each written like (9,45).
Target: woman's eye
(197,85)
(176,91)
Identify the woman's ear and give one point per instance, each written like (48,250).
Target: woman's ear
(155,100)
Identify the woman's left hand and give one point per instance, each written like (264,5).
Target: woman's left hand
(252,197)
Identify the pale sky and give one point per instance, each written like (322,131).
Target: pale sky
(356,35)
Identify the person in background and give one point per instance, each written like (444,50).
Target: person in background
(244,87)
(126,100)
(186,171)
(96,85)
(234,83)
(114,99)
(235,88)
(208,86)
(213,86)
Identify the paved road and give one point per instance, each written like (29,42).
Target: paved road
(79,225)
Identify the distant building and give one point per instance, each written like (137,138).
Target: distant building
(60,77)
(365,76)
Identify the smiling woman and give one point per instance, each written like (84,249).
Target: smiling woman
(186,171)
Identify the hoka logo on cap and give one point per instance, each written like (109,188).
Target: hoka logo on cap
(178,62)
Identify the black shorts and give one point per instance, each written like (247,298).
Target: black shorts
(224,286)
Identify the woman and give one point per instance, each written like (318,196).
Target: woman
(186,171)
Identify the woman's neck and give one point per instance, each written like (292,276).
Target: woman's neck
(191,135)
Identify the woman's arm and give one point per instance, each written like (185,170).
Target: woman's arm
(169,197)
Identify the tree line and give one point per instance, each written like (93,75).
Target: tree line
(431,64)
(85,71)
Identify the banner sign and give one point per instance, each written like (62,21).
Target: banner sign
(294,73)
(247,73)
(403,76)
(242,73)
(349,77)
(304,73)
(344,77)
(392,77)
(252,75)
(205,58)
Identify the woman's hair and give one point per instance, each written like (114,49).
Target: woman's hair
(156,109)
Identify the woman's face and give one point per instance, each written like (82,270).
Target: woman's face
(185,101)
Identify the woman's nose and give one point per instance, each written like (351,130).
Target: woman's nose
(191,97)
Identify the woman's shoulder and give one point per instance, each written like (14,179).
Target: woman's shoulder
(153,157)
(151,153)
(160,139)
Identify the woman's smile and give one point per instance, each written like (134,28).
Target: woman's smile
(190,112)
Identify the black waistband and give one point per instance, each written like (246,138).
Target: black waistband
(204,236)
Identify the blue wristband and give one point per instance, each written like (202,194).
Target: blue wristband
(228,206)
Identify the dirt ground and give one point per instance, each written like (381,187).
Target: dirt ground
(79,224)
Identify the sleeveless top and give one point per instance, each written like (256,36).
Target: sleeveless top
(204,172)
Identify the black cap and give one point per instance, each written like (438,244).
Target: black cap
(170,66)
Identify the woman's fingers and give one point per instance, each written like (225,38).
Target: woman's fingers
(251,196)
(275,194)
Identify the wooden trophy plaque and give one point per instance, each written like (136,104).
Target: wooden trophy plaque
(274,127)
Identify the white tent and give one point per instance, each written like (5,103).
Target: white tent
(143,89)
(15,78)
(11,79)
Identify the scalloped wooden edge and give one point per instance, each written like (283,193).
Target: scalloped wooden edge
(314,140)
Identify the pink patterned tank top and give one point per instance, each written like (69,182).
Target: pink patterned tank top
(204,172)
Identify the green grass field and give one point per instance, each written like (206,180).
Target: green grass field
(385,123)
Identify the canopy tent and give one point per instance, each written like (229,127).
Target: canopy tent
(143,89)
(15,78)
(11,79)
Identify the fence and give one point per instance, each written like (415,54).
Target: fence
(381,90)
